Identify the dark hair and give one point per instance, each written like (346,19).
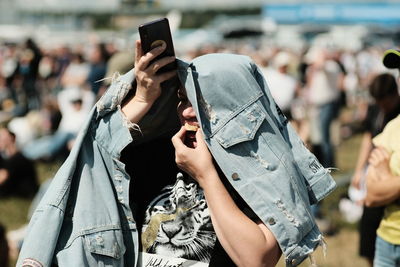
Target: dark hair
(383,85)
(105,56)
(78,56)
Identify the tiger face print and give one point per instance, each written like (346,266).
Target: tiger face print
(178,223)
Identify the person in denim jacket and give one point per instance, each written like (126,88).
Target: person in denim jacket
(245,150)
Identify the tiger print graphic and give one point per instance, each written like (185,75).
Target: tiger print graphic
(178,224)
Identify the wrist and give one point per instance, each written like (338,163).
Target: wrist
(136,108)
(146,95)
(208,178)
(143,99)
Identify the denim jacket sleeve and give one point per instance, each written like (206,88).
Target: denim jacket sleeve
(83,218)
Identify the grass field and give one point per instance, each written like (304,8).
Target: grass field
(342,245)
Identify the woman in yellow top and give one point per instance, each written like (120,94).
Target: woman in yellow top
(383,184)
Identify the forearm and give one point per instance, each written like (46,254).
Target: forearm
(365,149)
(246,242)
(135,110)
(382,192)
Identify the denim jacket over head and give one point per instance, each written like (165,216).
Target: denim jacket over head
(85,219)
(257,149)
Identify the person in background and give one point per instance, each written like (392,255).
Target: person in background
(74,104)
(386,106)
(282,85)
(323,80)
(285,90)
(76,72)
(322,77)
(97,68)
(120,62)
(383,183)
(29,69)
(383,189)
(17,173)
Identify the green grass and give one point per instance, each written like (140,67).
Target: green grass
(347,153)
(47,170)
(13,212)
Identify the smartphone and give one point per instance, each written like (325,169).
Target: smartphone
(154,34)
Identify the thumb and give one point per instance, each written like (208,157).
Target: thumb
(200,138)
(178,138)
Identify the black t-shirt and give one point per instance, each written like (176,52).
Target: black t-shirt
(22,179)
(171,212)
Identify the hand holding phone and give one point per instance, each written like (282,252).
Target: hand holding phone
(154,34)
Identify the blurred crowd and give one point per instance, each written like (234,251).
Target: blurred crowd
(46,93)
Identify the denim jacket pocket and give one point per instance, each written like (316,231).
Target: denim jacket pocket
(243,141)
(107,243)
(243,127)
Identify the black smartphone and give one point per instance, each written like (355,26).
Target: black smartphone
(154,34)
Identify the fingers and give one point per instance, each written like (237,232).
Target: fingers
(180,148)
(200,139)
(166,76)
(154,67)
(378,155)
(138,51)
(145,60)
(146,73)
(373,158)
(178,139)
(383,153)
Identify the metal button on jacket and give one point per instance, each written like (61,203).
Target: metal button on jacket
(235,176)
(271,221)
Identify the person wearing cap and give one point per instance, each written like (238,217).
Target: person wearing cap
(242,199)
(391,59)
(383,183)
(386,106)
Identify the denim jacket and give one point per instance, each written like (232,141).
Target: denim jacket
(85,219)
(257,149)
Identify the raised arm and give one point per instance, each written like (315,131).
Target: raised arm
(248,243)
(365,149)
(148,82)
